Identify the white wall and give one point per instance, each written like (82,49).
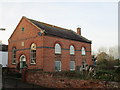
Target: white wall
(0,77)
(3,58)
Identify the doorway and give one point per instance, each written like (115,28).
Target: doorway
(23,63)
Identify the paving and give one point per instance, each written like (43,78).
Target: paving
(17,83)
(13,83)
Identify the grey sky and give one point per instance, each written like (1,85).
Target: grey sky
(98,20)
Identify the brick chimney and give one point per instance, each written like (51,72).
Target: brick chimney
(79,31)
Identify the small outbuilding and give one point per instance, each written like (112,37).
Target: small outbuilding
(4,55)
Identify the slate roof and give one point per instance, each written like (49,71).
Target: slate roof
(52,30)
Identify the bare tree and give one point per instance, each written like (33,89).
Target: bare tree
(113,52)
(102,49)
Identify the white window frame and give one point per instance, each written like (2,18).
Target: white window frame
(60,65)
(57,48)
(83,51)
(33,54)
(72,69)
(72,50)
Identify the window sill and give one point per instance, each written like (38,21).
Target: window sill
(83,55)
(72,69)
(32,63)
(57,54)
(13,63)
(57,71)
(72,54)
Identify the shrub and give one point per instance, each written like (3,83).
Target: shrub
(117,71)
(107,75)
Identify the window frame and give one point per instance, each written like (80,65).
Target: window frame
(72,69)
(33,54)
(22,29)
(83,51)
(14,55)
(56,49)
(72,51)
(59,65)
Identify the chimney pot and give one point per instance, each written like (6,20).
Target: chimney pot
(79,31)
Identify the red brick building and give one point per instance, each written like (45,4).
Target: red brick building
(38,45)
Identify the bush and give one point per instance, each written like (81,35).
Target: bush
(67,74)
(107,75)
(101,72)
(117,71)
(72,74)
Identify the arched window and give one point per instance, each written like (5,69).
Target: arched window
(57,48)
(83,51)
(72,50)
(33,54)
(14,55)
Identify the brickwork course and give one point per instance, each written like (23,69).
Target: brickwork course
(45,36)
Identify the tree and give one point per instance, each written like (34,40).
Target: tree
(107,58)
(102,56)
(102,49)
(113,52)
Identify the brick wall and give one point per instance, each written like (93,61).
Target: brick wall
(49,80)
(28,36)
(49,54)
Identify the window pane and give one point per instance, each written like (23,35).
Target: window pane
(14,55)
(72,50)
(22,28)
(72,65)
(57,48)
(57,65)
(33,53)
(83,51)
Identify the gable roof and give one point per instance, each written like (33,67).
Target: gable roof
(52,30)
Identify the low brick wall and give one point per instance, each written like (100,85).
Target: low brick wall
(49,80)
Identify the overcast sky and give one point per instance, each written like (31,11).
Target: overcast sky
(98,20)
